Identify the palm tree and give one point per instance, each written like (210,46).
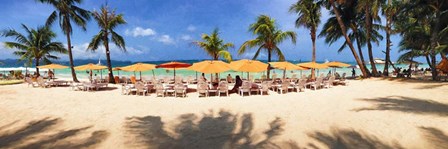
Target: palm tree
(309,17)
(214,46)
(332,3)
(107,21)
(36,44)
(268,37)
(371,9)
(67,12)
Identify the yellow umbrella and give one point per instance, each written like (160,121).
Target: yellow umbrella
(117,69)
(52,66)
(336,64)
(139,67)
(90,66)
(313,65)
(210,66)
(246,65)
(286,66)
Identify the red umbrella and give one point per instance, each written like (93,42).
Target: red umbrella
(173,65)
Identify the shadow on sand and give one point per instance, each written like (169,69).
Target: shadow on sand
(407,104)
(435,137)
(224,130)
(42,134)
(227,130)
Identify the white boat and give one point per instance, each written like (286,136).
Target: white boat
(379,61)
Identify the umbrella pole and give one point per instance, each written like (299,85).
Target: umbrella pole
(196,75)
(153,74)
(174,73)
(284,74)
(141,76)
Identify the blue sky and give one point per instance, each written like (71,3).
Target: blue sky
(164,29)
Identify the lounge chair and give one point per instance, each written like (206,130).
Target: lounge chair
(342,79)
(160,90)
(42,83)
(285,87)
(133,80)
(30,82)
(264,88)
(329,83)
(76,86)
(245,88)
(124,80)
(179,88)
(317,84)
(301,85)
(202,89)
(140,88)
(223,87)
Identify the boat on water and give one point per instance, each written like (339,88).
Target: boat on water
(378,61)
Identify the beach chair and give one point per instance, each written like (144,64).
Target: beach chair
(342,79)
(133,80)
(160,90)
(202,88)
(285,87)
(42,83)
(264,87)
(179,88)
(274,76)
(140,88)
(245,88)
(124,80)
(30,82)
(301,85)
(76,86)
(223,87)
(117,79)
(317,84)
(329,83)
(178,79)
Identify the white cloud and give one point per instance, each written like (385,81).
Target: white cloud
(191,28)
(166,39)
(139,31)
(186,37)
(79,52)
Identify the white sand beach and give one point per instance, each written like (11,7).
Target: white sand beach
(371,113)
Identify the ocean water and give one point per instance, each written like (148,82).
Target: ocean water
(160,73)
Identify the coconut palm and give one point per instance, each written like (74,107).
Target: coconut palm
(35,45)
(333,5)
(268,38)
(309,17)
(67,13)
(214,46)
(107,21)
(371,9)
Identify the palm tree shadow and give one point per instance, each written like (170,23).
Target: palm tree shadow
(225,130)
(347,138)
(407,104)
(42,134)
(431,86)
(435,136)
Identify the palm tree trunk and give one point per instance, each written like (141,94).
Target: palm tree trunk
(313,58)
(349,42)
(70,57)
(368,36)
(434,37)
(109,63)
(358,43)
(388,32)
(269,65)
(37,64)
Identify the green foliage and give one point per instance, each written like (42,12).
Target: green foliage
(214,46)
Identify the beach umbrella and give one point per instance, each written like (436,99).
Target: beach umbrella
(286,66)
(117,69)
(174,65)
(313,65)
(139,67)
(336,64)
(90,67)
(52,66)
(248,66)
(210,66)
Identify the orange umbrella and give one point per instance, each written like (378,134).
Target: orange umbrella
(336,64)
(313,65)
(246,65)
(286,66)
(173,65)
(214,66)
(139,67)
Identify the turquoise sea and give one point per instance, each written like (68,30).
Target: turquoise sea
(160,73)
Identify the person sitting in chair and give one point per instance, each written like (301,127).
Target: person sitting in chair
(238,83)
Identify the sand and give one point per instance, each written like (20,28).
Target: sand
(372,113)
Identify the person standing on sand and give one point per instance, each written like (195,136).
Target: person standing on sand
(229,78)
(353,73)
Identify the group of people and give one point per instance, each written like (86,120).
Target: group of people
(229,79)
